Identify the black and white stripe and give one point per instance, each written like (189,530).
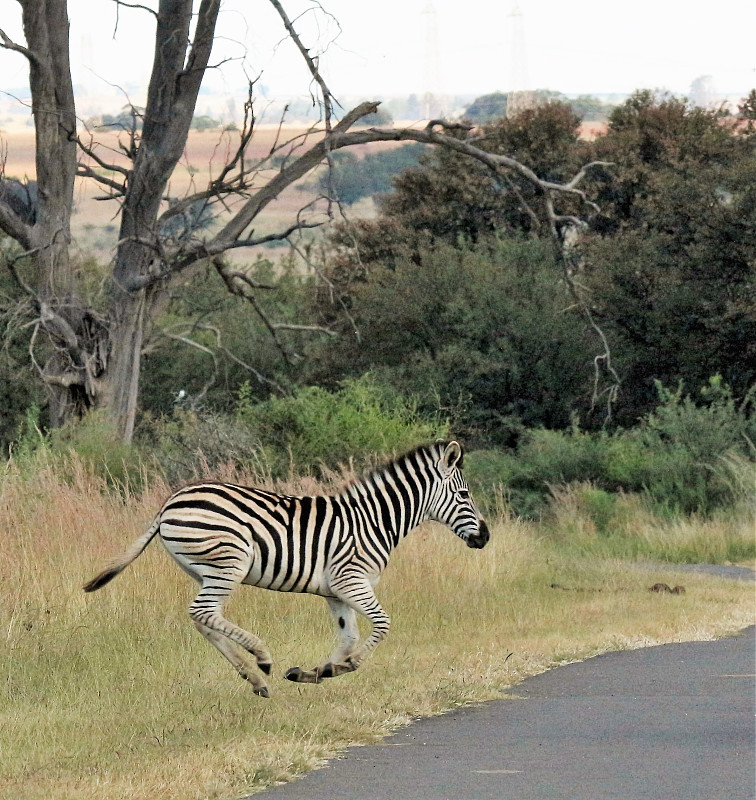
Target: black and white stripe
(224,535)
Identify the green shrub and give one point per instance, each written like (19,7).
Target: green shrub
(99,448)
(680,455)
(685,457)
(30,437)
(93,443)
(316,428)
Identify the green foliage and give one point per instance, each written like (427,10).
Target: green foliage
(451,196)
(686,457)
(96,444)
(316,428)
(679,457)
(90,442)
(672,257)
(480,332)
(234,342)
(30,438)
(487,108)
(543,460)
(456,200)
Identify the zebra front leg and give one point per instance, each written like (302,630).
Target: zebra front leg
(359,598)
(207,614)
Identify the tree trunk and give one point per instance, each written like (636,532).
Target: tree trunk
(178,67)
(61,315)
(127,328)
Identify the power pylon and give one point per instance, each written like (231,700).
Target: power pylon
(519,94)
(432,99)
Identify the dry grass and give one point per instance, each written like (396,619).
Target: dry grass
(626,526)
(115,695)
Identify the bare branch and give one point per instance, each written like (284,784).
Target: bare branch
(11,264)
(311,64)
(219,346)
(287,326)
(89,150)
(242,288)
(6,43)
(584,170)
(134,5)
(276,237)
(85,171)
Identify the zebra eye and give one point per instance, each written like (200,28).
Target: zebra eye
(463,494)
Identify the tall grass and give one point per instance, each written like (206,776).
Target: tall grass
(115,695)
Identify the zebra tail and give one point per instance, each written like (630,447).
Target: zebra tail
(119,564)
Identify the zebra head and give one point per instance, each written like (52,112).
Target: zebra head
(451,503)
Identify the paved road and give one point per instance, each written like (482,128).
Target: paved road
(673,722)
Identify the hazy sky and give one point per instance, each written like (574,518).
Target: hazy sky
(582,46)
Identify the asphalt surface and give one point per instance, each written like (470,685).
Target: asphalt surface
(673,722)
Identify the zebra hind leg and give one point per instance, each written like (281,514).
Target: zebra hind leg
(241,664)
(345,620)
(207,614)
(348,656)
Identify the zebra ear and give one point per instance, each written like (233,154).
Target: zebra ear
(451,457)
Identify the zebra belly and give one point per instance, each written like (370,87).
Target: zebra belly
(283,581)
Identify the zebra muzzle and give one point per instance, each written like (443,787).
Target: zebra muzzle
(480,539)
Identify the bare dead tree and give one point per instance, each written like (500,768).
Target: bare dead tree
(71,330)
(95,361)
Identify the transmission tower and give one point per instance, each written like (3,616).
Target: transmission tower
(519,95)
(432,101)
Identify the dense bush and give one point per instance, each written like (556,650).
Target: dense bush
(670,260)
(685,457)
(316,428)
(482,332)
(353,178)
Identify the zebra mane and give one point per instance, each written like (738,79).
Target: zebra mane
(431,451)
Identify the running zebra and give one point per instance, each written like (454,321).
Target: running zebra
(336,547)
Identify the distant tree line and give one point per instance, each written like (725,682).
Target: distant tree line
(489,107)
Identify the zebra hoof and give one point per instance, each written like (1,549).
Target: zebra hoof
(331,670)
(265,667)
(262,691)
(299,675)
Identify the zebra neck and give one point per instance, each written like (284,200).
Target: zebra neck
(390,503)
